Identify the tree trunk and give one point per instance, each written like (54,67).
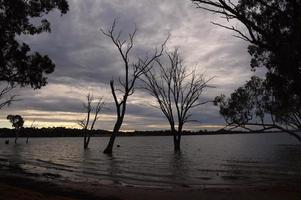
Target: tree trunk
(17,135)
(85,139)
(177,145)
(88,140)
(27,136)
(176,141)
(109,148)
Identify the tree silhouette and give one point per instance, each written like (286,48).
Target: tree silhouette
(253,105)
(18,65)
(85,122)
(5,98)
(132,71)
(17,122)
(177,92)
(273,29)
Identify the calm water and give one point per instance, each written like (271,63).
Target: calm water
(150,161)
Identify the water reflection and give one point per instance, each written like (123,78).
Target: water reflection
(15,158)
(113,167)
(178,167)
(234,159)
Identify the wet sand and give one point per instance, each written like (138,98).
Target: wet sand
(16,186)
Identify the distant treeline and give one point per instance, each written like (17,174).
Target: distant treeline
(68,132)
(49,132)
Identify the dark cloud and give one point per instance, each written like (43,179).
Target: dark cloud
(86,60)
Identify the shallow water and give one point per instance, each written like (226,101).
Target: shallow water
(150,161)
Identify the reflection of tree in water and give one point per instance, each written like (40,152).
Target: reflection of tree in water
(85,163)
(283,163)
(100,168)
(113,168)
(15,158)
(178,168)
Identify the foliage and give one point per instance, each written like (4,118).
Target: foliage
(18,65)
(253,104)
(16,120)
(273,29)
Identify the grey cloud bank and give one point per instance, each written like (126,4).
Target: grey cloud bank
(86,60)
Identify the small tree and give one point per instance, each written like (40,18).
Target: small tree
(177,92)
(17,122)
(132,71)
(85,122)
(31,127)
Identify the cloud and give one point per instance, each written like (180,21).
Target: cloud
(86,60)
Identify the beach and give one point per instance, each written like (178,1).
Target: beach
(19,186)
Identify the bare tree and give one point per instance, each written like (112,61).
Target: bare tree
(85,122)
(132,71)
(31,127)
(177,92)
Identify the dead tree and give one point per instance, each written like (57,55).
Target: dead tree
(177,92)
(89,111)
(31,127)
(132,71)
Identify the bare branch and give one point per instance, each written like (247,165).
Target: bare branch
(133,70)
(5,98)
(177,91)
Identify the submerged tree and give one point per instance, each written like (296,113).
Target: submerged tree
(90,118)
(28,134)
(252,105)
(273,29)
(177,92)
(17,122)
(132,71)
(18,65)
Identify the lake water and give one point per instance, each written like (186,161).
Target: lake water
(150,161)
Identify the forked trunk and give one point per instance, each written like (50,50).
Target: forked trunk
(86,140)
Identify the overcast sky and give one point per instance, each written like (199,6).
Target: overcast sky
(86,60)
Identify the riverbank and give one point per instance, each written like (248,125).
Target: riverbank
(18,186)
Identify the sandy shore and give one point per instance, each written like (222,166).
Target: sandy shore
(16,186)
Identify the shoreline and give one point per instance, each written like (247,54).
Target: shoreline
(21,186)
(73,132)
(11,136)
